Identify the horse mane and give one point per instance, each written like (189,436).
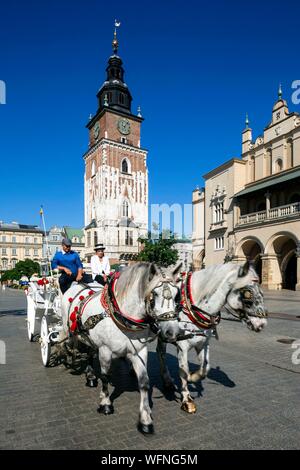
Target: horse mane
(214,276)
(136,283)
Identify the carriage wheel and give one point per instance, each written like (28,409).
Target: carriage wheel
(45,344)
(31,318)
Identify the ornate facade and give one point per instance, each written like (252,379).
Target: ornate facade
(250,207)
(116,175)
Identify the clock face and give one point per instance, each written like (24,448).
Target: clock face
(124,126)
(96,130)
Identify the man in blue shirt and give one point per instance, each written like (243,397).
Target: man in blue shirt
(68,262)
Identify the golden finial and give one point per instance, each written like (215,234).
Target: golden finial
(115,43)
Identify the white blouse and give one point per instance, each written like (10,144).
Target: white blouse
(99,266)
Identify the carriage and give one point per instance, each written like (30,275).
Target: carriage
(44,314)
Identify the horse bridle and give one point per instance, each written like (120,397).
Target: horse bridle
(167,296)
(247,299)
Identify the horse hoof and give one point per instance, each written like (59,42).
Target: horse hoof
(189,407)
(106,409)
(145,429)
(92,383)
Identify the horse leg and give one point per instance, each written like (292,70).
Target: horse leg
(161,350)
(139,363)
(105,405)
(202,350)
(187,403)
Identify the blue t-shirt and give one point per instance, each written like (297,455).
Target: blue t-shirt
(69,260)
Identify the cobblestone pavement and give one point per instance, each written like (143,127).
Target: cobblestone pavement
(249,401)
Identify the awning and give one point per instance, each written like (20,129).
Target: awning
(269,182)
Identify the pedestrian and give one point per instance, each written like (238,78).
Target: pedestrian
(100,265)
(68,262)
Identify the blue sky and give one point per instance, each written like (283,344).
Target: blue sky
(195,68)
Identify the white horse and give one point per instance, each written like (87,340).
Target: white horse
(141,302)
(228,287)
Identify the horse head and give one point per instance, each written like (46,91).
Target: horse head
(162,300)
(245,299)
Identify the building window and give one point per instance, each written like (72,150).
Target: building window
(13,263)
(123,140)
(95,238)
(27,252)
(124,166)
(125,209)
(36,252)
(35,240)
(27,240)
(14,252)
(4,238)
(14,239)
(54,238)
(128,238)
(4,263)
(89,239)
(218,212)
(4,251)
(219,243)
(93,168)
(121,98)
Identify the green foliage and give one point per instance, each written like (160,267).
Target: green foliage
(159,250)
(22,268)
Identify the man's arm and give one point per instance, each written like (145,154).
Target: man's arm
(79,268)
(55,265)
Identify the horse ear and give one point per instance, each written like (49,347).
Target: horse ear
(152,271)
(176,270)
(243,271)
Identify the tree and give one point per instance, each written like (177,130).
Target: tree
(22,268)
(158,250)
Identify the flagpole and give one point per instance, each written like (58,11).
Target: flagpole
(46,240)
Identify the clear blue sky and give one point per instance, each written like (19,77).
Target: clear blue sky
(195,67)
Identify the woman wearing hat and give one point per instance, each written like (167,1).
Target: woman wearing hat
(100,265)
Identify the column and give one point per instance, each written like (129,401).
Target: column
(268,203)
(298,266)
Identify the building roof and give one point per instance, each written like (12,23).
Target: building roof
(271,181)
(16,227)
(73,232)
(223,167)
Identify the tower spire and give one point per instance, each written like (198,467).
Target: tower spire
(247,121)
(115,43)
(279,92)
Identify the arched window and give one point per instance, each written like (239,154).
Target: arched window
(295,198)
(125,209)
(125,166)
(93,168)
(95,238)
(290,154)
(278,165)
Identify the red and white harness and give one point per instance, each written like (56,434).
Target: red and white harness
(197,316)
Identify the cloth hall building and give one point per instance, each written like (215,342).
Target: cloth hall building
(250,206)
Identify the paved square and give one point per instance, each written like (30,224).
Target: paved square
(249,401)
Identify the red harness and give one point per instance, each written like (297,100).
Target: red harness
(109,303)
(194,313)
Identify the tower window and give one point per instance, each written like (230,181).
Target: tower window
(124,166)
(128,238)
(278,165)
(125,209)
(121,98)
